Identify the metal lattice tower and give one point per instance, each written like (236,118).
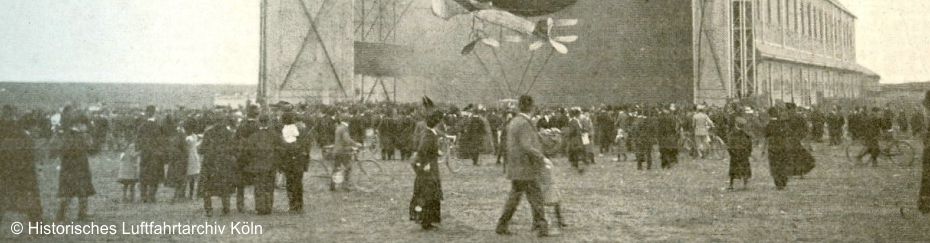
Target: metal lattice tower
(378,22)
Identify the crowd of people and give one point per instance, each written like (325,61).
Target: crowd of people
(219,152)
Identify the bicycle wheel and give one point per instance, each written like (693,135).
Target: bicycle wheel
(853,150)
(899,152)
(686,148)
(320,168)
(454,164)
(717,149)
(368,175)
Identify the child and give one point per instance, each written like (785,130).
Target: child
(552,197)
(740,148)
(193,162)
(129,172)
(621,143)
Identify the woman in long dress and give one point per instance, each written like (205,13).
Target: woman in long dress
(427,187)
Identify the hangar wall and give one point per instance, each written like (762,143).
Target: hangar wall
(628,51)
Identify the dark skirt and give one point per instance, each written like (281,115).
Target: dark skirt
(74,180)
(739,164)
(425,207)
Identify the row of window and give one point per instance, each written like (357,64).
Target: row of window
(800,84)
(817,20)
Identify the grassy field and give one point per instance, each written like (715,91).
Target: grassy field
(612,202)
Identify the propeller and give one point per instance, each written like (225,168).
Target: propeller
(565,22)
(555,42)
(470,47)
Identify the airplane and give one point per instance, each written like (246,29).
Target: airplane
(512,14)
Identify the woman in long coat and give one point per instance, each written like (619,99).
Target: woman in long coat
(787,156)
(218,172)
(74,179)
(427,187)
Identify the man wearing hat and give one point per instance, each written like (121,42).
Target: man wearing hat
(150,142)
(575,141)
(295,153)
(474,135)
(245,130)
(524,160)
(668,132)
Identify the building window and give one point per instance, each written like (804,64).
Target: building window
(791,15)
(798,16)
(773,11)
(782,22)
(807,16)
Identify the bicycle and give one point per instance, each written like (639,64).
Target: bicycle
(891,149)
(716,149)
(369,175)
(686,147)
(449,146)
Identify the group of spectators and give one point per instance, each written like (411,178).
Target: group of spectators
(218,152)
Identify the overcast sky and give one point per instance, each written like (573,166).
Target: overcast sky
(216,41)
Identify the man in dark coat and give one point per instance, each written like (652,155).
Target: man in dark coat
(149,142)
(574,143)
(902,121)
(667,134)
(817,122)
(387,130)
(219,174)
(295,155)
(854,123)
(473,138)
(260,155)
(496,122)
(524,161)
(917,123)
(20,186)
(245,130)
(605,130)
(644,137)
(325,128)
(405,136)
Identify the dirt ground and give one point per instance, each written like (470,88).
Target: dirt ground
(611,202)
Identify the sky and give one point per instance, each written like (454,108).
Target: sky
(216,41)
(893,38)
(144,41)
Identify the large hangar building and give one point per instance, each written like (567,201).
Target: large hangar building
(702,51)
